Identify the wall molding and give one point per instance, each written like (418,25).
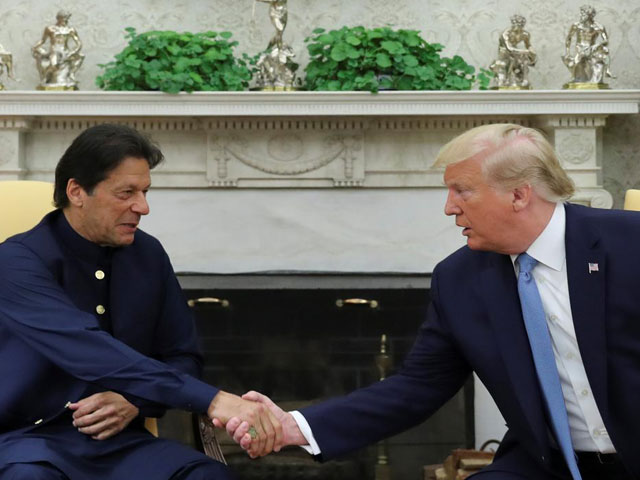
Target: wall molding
(265,140)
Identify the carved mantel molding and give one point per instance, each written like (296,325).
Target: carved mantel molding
(306,104)
(307,139)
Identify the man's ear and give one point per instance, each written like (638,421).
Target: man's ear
(521,197)
(75,193)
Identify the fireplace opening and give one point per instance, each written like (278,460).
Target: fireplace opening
(300,346)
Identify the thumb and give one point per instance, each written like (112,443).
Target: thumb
(254,396)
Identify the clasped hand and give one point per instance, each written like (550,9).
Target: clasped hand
(262,426)
(272,421)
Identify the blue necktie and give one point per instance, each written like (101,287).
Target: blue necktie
(544,360)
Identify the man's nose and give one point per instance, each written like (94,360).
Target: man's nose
(140,206)
(450,206)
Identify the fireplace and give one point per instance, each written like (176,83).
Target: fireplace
(301,345)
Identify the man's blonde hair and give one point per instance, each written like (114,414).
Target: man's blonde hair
(512,155)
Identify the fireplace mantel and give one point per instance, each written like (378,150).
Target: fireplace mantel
(307,139)
(29,104)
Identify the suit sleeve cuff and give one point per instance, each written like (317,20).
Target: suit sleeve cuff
(312,446)
(199,395)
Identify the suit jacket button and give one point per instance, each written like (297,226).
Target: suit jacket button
(99,274)
(100,309)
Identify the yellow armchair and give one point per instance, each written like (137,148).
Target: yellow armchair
(632,200)
(22,204)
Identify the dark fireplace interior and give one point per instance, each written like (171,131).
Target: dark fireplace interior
(300,346)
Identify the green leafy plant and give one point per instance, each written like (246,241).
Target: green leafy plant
(358,58)
(174,62)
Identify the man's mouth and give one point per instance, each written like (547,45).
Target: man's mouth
(130,226)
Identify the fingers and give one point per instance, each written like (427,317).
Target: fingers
(217,423)
(86,405)
(92,418)
(237,429)
(102,415)
(245,442)
(259,432)
(273,427)
(270,424)
(267,426)
(101,430)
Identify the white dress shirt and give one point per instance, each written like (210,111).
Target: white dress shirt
(550,273)
(585,422)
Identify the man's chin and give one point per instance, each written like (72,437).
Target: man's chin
(121,241)
(128,240)
(474,245)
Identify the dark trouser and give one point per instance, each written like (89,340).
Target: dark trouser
(31,471)
(591,465)
(208,469)
(201,470)
(598,467)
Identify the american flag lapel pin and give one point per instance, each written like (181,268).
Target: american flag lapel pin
(593,267)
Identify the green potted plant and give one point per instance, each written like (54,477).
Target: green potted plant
(359,58)
(174,62)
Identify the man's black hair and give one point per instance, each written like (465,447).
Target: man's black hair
(96,152)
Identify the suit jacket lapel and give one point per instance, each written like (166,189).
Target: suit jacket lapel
(587,296)
(500,293)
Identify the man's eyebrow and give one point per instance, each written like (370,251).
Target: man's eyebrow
(133,186)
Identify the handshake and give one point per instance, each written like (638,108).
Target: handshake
(257,424)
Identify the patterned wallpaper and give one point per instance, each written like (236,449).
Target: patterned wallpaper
(469,28)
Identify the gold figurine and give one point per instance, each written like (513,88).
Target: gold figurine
(588,59)
(59,63)
(276,65)
(515,56)
(6,65)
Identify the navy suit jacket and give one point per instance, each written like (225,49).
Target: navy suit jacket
(55,347)
(474,323)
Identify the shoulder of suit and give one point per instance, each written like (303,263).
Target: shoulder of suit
(462,261)
(602,219)
(37,239)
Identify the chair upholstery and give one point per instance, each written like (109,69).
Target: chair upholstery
(632,200)
(23,203)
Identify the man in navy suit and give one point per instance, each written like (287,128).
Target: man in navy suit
(506,190)
(95,333)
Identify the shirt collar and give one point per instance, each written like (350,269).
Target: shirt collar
(549,248)
(77,244)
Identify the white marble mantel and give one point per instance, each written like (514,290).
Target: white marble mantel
(307,139)
(305,181)
(305,104)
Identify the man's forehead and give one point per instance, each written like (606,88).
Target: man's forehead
(131,168)
(461,172)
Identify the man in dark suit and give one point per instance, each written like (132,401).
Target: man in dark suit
(575,416)
(95,333)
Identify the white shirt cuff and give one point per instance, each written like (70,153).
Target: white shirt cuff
(313,448)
